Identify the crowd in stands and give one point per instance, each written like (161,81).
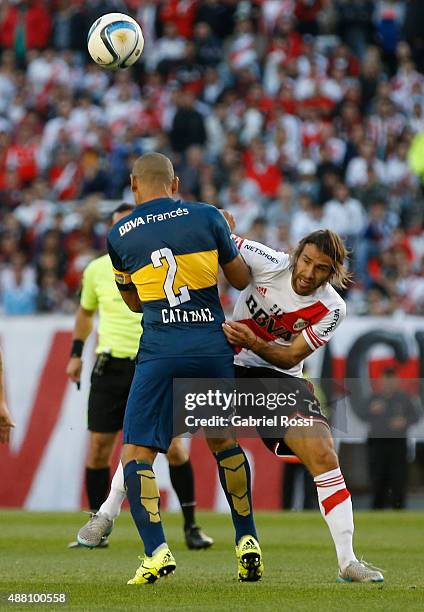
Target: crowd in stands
(295,115)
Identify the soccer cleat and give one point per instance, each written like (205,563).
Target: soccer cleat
(196,539)
(95,531)
(360,571)
(152,568)
(249,558)
(103,544)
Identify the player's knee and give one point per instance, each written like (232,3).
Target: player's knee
(177,453)
(142,454)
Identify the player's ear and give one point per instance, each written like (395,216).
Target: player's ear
(175,185)
(133,183)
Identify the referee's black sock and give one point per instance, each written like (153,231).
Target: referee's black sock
(97,482)
(182,480)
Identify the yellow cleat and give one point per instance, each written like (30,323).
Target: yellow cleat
(152,568)
(249,559)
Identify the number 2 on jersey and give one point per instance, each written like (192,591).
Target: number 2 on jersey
(183,294)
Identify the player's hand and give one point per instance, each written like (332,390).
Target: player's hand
(230,219)
(239,334)
(73,369)
(6,423)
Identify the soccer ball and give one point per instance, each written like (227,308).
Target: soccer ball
(115,41)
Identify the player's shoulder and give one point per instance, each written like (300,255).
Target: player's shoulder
(333,300)
(202,209)
(263,257)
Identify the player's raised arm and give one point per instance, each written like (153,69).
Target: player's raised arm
(233,265)
(237,273)
(6,422)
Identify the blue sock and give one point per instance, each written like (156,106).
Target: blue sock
(143,497)
(234,474)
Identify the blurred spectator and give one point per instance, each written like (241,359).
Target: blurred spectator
(188,126)
(218,15)
(68,27)
(378,230)
(390,412)
(244,47)
(345,215)
(189,172)
(309,218)
(242,198)
(389,16)
(365,164)
(280,210)
(265,174)
(355,23)
(208,46)
(307,181)
(307,12)
(25,25)
(18,289)
(168,50)
(52,293)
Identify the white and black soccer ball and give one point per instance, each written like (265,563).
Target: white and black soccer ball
(115,40)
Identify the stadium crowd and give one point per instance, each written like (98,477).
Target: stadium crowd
(293,114)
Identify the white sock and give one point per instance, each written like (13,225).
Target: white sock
(336,508)
(112,506)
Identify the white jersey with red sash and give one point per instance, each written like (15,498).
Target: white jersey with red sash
(272,309)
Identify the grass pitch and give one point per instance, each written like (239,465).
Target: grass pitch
(300,565)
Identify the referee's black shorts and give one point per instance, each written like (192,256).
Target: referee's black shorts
(110,385)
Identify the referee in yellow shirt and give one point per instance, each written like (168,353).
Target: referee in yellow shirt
(119,331)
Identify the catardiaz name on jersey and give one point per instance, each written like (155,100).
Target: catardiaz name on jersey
(150,218)
(176,315)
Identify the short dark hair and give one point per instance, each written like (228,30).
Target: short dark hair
(122,208)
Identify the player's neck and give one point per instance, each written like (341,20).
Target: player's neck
(148,197)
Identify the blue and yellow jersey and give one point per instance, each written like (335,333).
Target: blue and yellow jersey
(170,250)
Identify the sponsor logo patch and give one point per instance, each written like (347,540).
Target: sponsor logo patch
(120,279)
(300,324)
(329,329)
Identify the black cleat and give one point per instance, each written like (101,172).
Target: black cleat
(196,539)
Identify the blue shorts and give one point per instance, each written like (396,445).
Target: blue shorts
(149,413)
